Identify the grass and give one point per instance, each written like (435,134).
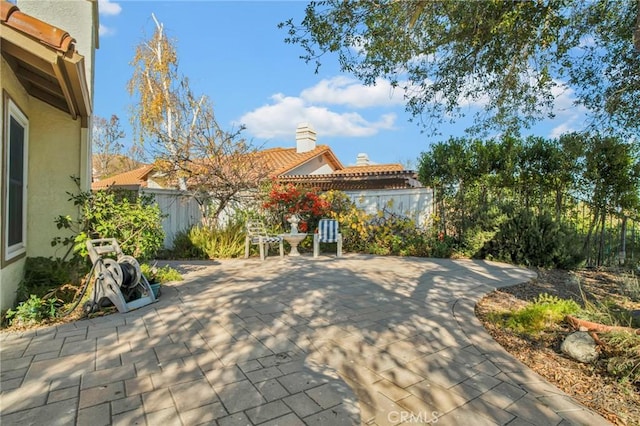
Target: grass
(623,355)
(544,312)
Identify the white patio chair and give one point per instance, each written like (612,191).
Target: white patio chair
(328,232)
(257,234)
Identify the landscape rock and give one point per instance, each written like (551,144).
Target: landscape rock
(580,346)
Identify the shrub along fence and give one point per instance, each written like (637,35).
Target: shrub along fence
(605,239)
(578,233)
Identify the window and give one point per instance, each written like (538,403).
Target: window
(16,135)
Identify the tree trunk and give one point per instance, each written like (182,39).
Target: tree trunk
(601,245)
(622,254)
(587,243)
(559,199)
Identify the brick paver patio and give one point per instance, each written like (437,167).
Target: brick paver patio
(355,340)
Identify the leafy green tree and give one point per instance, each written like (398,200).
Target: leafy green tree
(612,179)
(444,168)
(511,57)
(547,170)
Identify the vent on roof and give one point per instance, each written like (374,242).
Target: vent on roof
(305,138)
(362,160)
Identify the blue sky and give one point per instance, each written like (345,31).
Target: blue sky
(233,52)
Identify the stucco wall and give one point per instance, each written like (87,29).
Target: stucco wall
(10,277)
(315,166)
(10,274)
(80,19)
(54,155)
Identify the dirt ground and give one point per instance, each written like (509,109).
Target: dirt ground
(590,384)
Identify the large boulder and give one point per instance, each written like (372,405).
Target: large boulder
(580,346)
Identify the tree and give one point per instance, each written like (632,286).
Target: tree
(106,136)
(180,131)
(612,177)
(512,57)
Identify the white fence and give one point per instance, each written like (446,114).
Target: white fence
(181,212)
(415,203)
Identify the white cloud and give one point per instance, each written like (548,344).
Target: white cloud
(109,8)
(571,117)
(565,100)
(561,129)
(279,119)
(350,92)
(103,31)
(479,99)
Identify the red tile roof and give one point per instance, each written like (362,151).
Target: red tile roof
(52,36)
(133,178)
(373,180)
(369,169)
(283,160)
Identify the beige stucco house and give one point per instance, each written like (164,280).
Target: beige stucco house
(46,81)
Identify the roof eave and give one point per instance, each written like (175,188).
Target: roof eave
(333,160)
(67,69)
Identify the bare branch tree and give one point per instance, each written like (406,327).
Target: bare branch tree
(181,132)
(107,147)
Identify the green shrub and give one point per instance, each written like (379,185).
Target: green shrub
(473,240)
(385,233)
(393,234)
(184,248)
(544,312)
(135,221)
(442,246)
(535,240)
(32,311)
(202,242)
(160,275)
(43,275)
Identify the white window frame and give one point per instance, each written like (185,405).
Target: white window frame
(13,112)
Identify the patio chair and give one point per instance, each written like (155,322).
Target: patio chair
(257,234)
(328,232)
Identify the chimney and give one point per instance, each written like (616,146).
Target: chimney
(362,160)
(305,138)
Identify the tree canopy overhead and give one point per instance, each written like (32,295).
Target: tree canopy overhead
(512,58)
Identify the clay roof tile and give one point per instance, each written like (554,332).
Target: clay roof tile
(135,177)
(52,36)
(283,160)
(371,169)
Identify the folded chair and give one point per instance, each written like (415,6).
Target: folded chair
(328,232)
(257,234)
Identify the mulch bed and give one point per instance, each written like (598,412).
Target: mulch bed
(590,384)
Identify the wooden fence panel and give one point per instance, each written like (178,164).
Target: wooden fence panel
(181,212)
